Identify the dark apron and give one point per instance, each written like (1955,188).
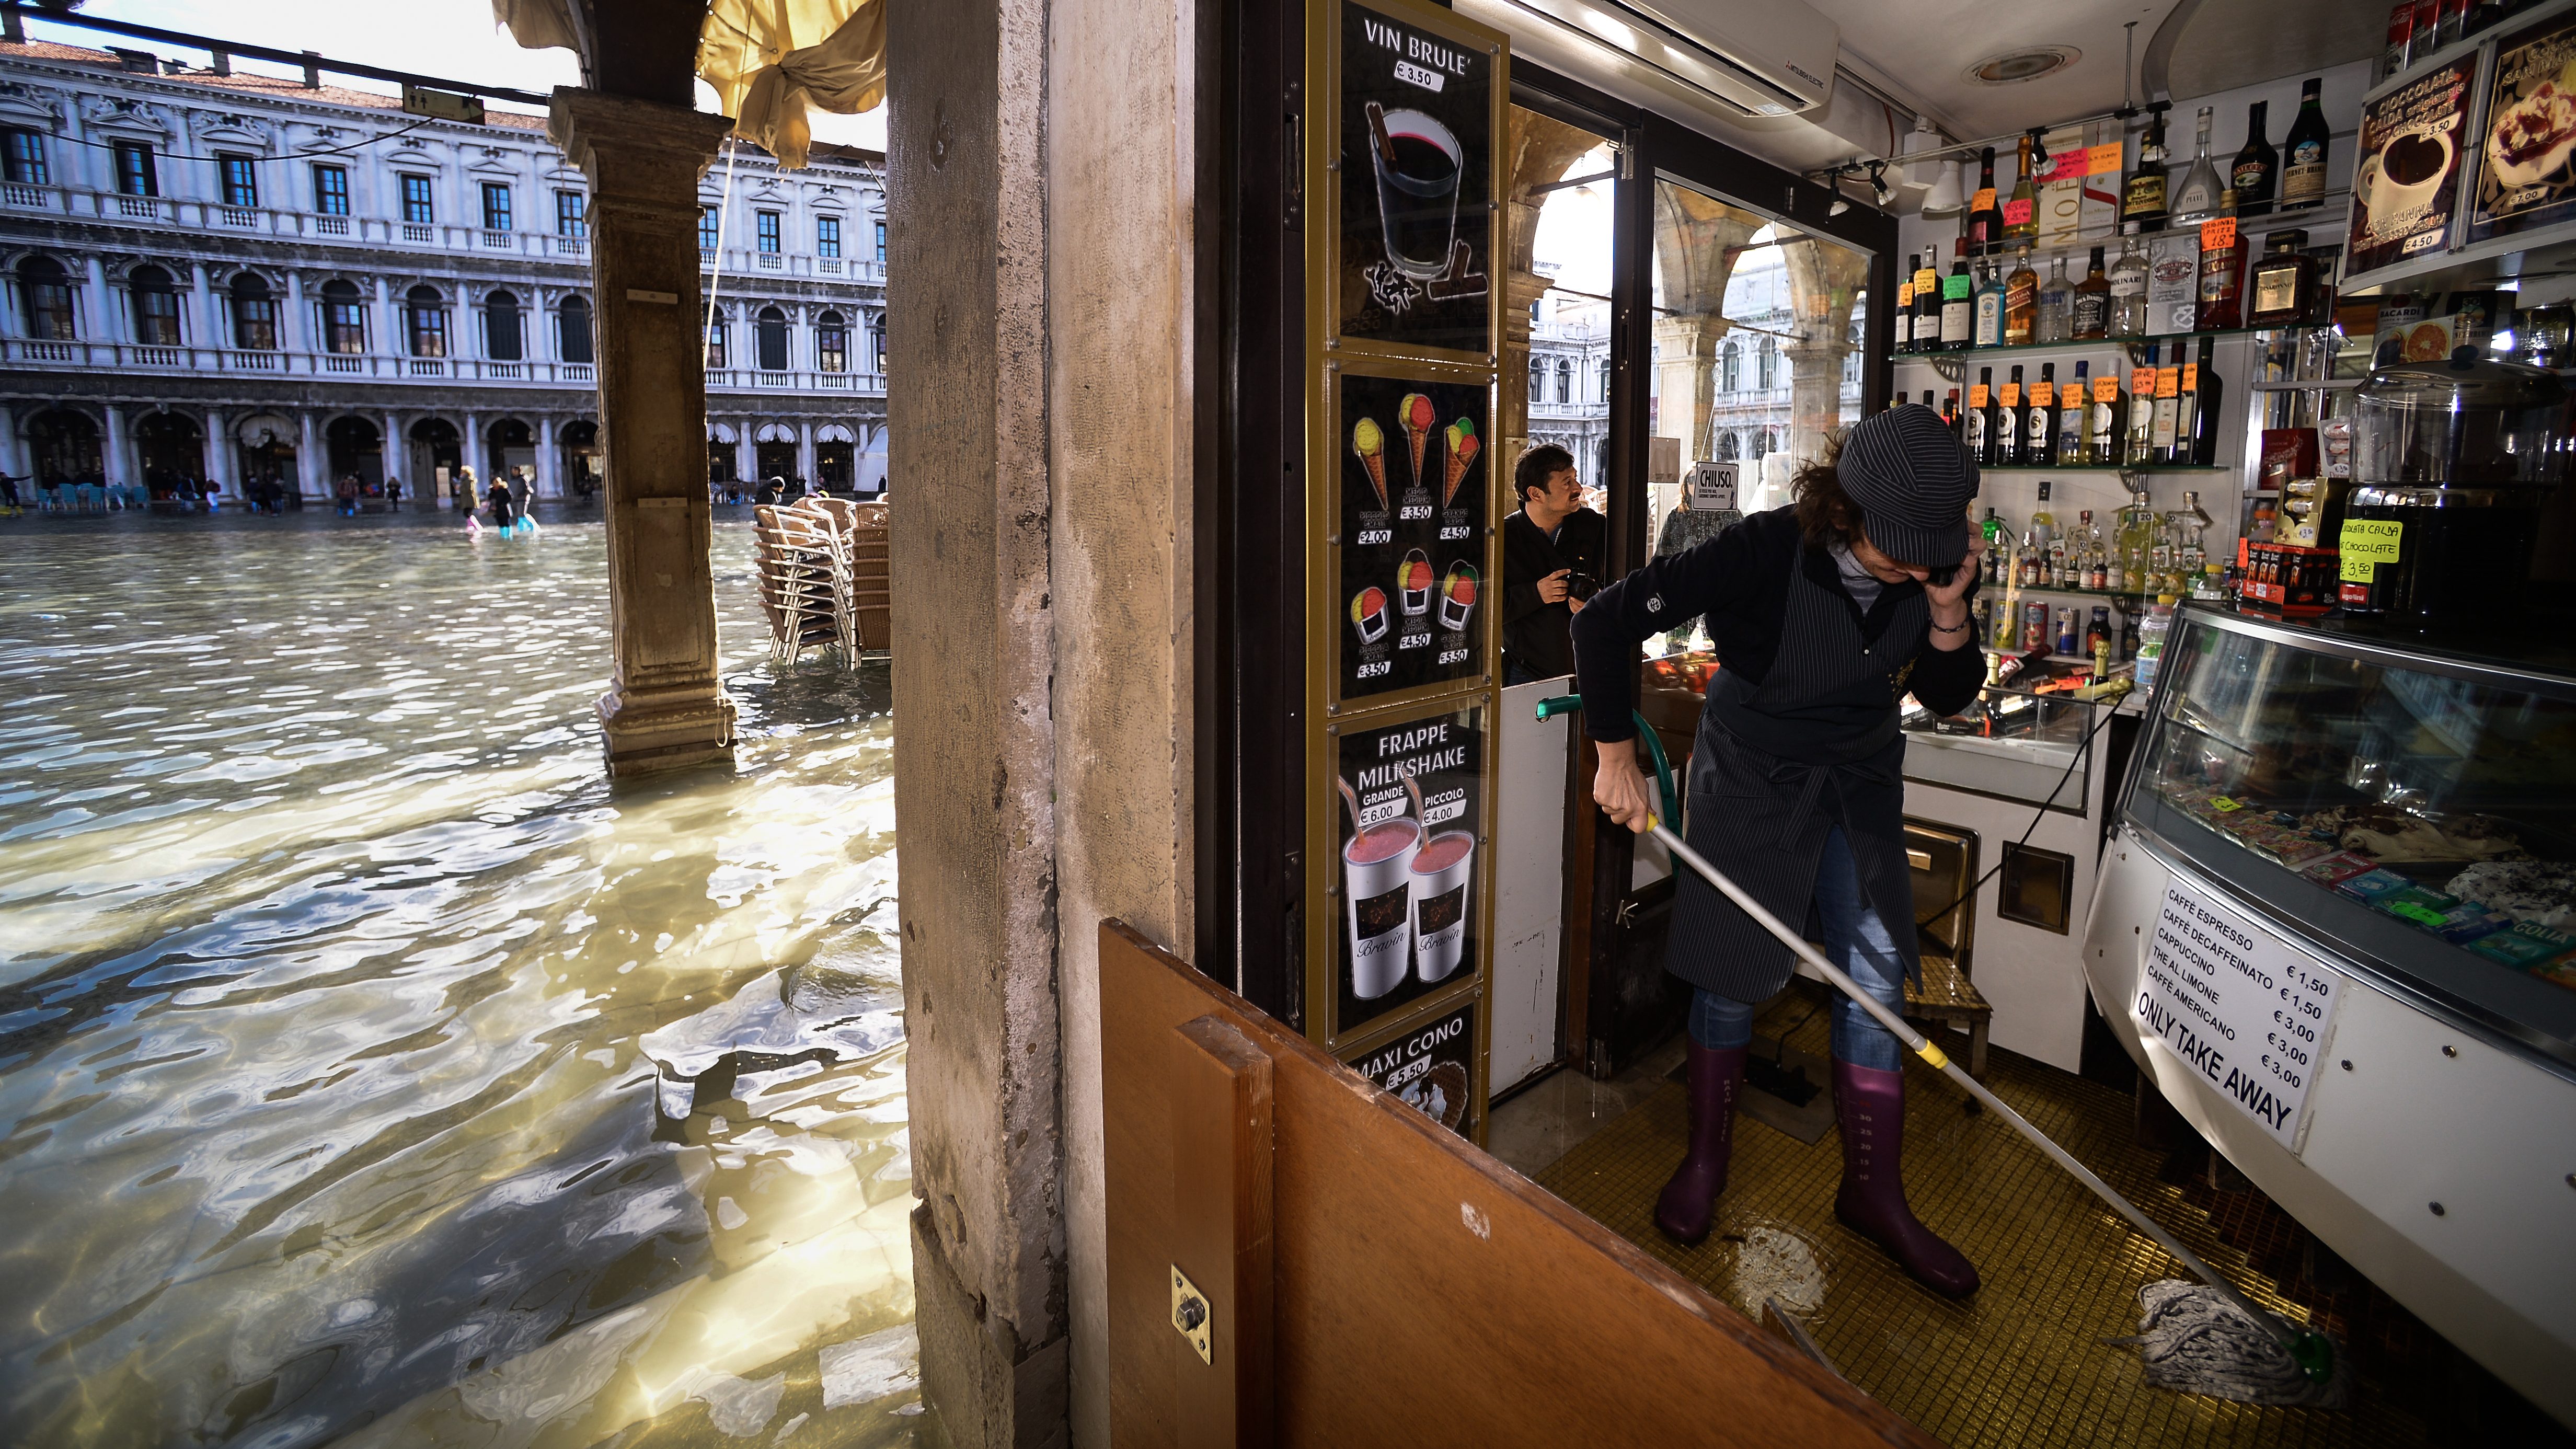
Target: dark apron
(1762,817)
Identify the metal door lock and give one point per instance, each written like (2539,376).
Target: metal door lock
(1190,1314)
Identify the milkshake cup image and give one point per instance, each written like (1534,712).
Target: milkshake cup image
(1417,160)
(1463,447)
(1441,873)
(1413,584)
(1369,441)
(1377,888)
(1368,614)
(1418,417)
(1458,597)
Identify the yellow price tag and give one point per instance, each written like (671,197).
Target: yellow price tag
(2367,543)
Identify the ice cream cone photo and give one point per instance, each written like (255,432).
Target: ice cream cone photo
(1418,420)
(1463,447)
(1369,441)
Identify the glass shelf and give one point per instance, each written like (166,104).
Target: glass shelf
(2008,590)
(2105,468)
(2096,344)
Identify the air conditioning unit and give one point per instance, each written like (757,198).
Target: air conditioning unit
(1762,57)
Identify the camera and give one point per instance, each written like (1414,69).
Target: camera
(1581,586)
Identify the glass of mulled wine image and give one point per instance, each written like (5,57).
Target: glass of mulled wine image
(1417,161)
(1413,583)
(1377,888)
(1458,596)
(1368,614)
(1441,871)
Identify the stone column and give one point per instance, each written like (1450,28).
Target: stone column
(548,485)
(470,453)
(102,323)
(389,337)
(666,705)
(205,317)
(398,463)
(1824,283)
(805,449)
(223,455)
(297,327)
(312,469)
(116,462)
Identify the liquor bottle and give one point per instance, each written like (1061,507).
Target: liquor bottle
(1956,303)
(2191,525)
(2021,211)
(2142,203)
(1950,412)
(1904,339)
(1990,305)
(2136,539)
(2222,276)
(2008,423)
(2074,416)
(1985,221)
(1927,397)
(2303,172)
(2186,405)
(2160,437)
(2021,302)
(2140,448)
(2255,175)
(1927,303)
(2129,290)
(2056,304)
(1981,418)
(2060,569)
(2196,199)
(2089,309)
(2285,281)
(2205,416)
(2043,524)
(2102,431)
(2097,569)
(2039,421)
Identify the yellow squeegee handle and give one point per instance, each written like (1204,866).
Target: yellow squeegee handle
(1917,1043)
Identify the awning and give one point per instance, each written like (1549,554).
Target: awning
(770,61)
(775,433)
(833,433)
(260,430)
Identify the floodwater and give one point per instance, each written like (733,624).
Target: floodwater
(371,1071)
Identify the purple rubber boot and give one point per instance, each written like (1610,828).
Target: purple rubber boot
(1689,1201)
(1871,1104)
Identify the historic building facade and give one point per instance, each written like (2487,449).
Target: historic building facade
(241,279)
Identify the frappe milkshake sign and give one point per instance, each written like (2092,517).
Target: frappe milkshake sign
(1410,837)
(2234,1005)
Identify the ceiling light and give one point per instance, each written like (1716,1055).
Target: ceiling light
(1917,141)
(1948,191)
(2022,65)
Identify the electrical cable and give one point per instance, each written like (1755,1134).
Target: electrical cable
(2082,748)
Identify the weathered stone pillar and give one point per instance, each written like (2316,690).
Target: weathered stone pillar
(549,484)
(312,469)
(222,452)
(469,454)
(666,705)
(115,460)
(295,328)
(805,449)
(1824,284)
(398,462)
(102,324)
(1686,378)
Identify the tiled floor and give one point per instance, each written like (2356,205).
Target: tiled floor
(2023,1362)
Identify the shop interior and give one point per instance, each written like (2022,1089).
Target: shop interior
(2262,617)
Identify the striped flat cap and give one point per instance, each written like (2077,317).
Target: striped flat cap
(1913,482)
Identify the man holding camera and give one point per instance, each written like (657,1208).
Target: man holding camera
(1552,555)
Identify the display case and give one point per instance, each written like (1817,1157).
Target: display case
(2032,745)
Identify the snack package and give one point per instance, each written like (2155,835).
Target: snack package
(2559,971)
(2341,866)
(2523,945)
(2371,884)
(2429,909)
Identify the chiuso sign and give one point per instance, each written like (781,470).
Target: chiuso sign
(2235,1005)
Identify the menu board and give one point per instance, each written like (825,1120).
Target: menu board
(2407,181)
(2527,171)
(1411,843)
(2234,1004)
(1417,141)
(1411,516)
(1431,1069)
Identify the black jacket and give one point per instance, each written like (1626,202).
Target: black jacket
(1740,580)
(1534,633)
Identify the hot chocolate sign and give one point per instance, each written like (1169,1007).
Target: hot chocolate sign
(2406,184)
(1416,167)
(1409,846)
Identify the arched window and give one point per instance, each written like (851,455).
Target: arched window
(716,344)
(572,329)
(1538,379)
(501,339)
(1564,381)
(426,312)
(344,318)
(1728,450)
(831,343)
(254,313)
(46,289)
(1601,382)
(156,307)
(876,341)
(772,340)
(1765,444)
(1730,368)
(1766,364)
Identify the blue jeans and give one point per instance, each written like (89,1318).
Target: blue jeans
(1855,940)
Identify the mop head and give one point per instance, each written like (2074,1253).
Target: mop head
(2195,1342)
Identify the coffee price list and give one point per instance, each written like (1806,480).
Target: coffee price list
(2234,1004)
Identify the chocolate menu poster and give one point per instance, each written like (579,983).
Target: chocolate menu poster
(1431,1068)
(2527,162)
(1413,862)
(2407,182)
(1417,142)
(1411,516)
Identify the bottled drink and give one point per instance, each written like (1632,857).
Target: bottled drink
(2136,538)
(2008,423)
(2191,526)
(2140,449)
(2303,173)
(2089,308)
(2021,212)
(2222,276)
(1985,220)
(2043,524)
(1956,303)
(1950,412)
(2285,280)
(1990,305)
(2196,199)
(2186,405)
(1981,418)
(1927,304)
(2255,175)
(2142,203)
(2097,634)
(1904,339)
(2066,631)
(2056,305)
(2097,569)
(2074,414)
(2160,439)
(2021,302)
(2102,430)
(2129,290)
(2034,628)
(2039,422)
(2205,412)
(1990,534)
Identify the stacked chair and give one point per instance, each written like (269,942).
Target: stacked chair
(822,569)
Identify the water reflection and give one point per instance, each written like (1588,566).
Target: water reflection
(369,1070)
